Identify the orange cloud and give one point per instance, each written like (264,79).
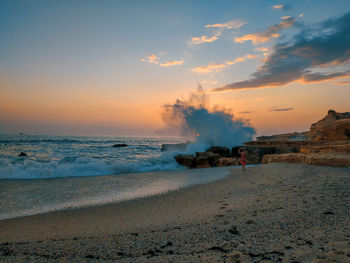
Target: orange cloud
(211,67)
(320,77)
(342,82)
(285,17)
(214,67)
(270,33)
(153,59)
(262,49)
(281,7)
(241,59)
(172,63)
(236,23)
(205,39)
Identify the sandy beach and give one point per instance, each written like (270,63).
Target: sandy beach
(271,213)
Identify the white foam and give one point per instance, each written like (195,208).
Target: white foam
(80,166)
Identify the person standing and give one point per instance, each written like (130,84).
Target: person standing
(243,152)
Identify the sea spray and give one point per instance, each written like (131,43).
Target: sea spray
(194,119)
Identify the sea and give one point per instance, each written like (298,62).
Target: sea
(64,172)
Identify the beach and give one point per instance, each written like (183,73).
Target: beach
(272,213)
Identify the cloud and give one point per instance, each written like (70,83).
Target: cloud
(269,34)
(326,46)
(342,82)
(172,63)
(285,17)
(319,77)
(205,39)
(262,49)
(280,109)
(236,23)
(281,7)
(211,67)
(215,67)
(246,112)
(153,59)
(241,59)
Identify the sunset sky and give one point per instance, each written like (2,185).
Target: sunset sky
(107,67)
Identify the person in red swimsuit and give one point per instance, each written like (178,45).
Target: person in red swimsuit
(243,152)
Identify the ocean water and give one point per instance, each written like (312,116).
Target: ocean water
(69,156)
(63,172)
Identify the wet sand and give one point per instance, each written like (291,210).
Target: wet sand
(271,213)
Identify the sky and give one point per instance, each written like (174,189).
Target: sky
(108,67)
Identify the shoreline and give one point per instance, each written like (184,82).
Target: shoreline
(62,193)
(277,212)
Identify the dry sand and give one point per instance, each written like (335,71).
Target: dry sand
(271,213)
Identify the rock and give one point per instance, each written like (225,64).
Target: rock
(178,147)
(335,126)
(218,248)
(187,160)
(167,244)
(295,136)
(22,154)
(334,160)
(284,158)
(340,147)
(235,257)
(255,154)
(227,161)
(206,159)
(222,151)
(235,153)
(120,145)
(234,230)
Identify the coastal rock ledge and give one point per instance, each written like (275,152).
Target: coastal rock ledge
(334,160)
(327,143)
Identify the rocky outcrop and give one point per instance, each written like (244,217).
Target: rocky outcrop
(255,154)
(339,147)
(215,156)
(206,159)
(327,143)
(187,160)
(335,126)
(222,151)
(279,146)
(334,160)
(295,136)
(120,145)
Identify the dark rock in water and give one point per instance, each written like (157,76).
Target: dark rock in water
(187,160)
(120,145)
(22,154)
(179,147)
(206,159)
(222,151)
